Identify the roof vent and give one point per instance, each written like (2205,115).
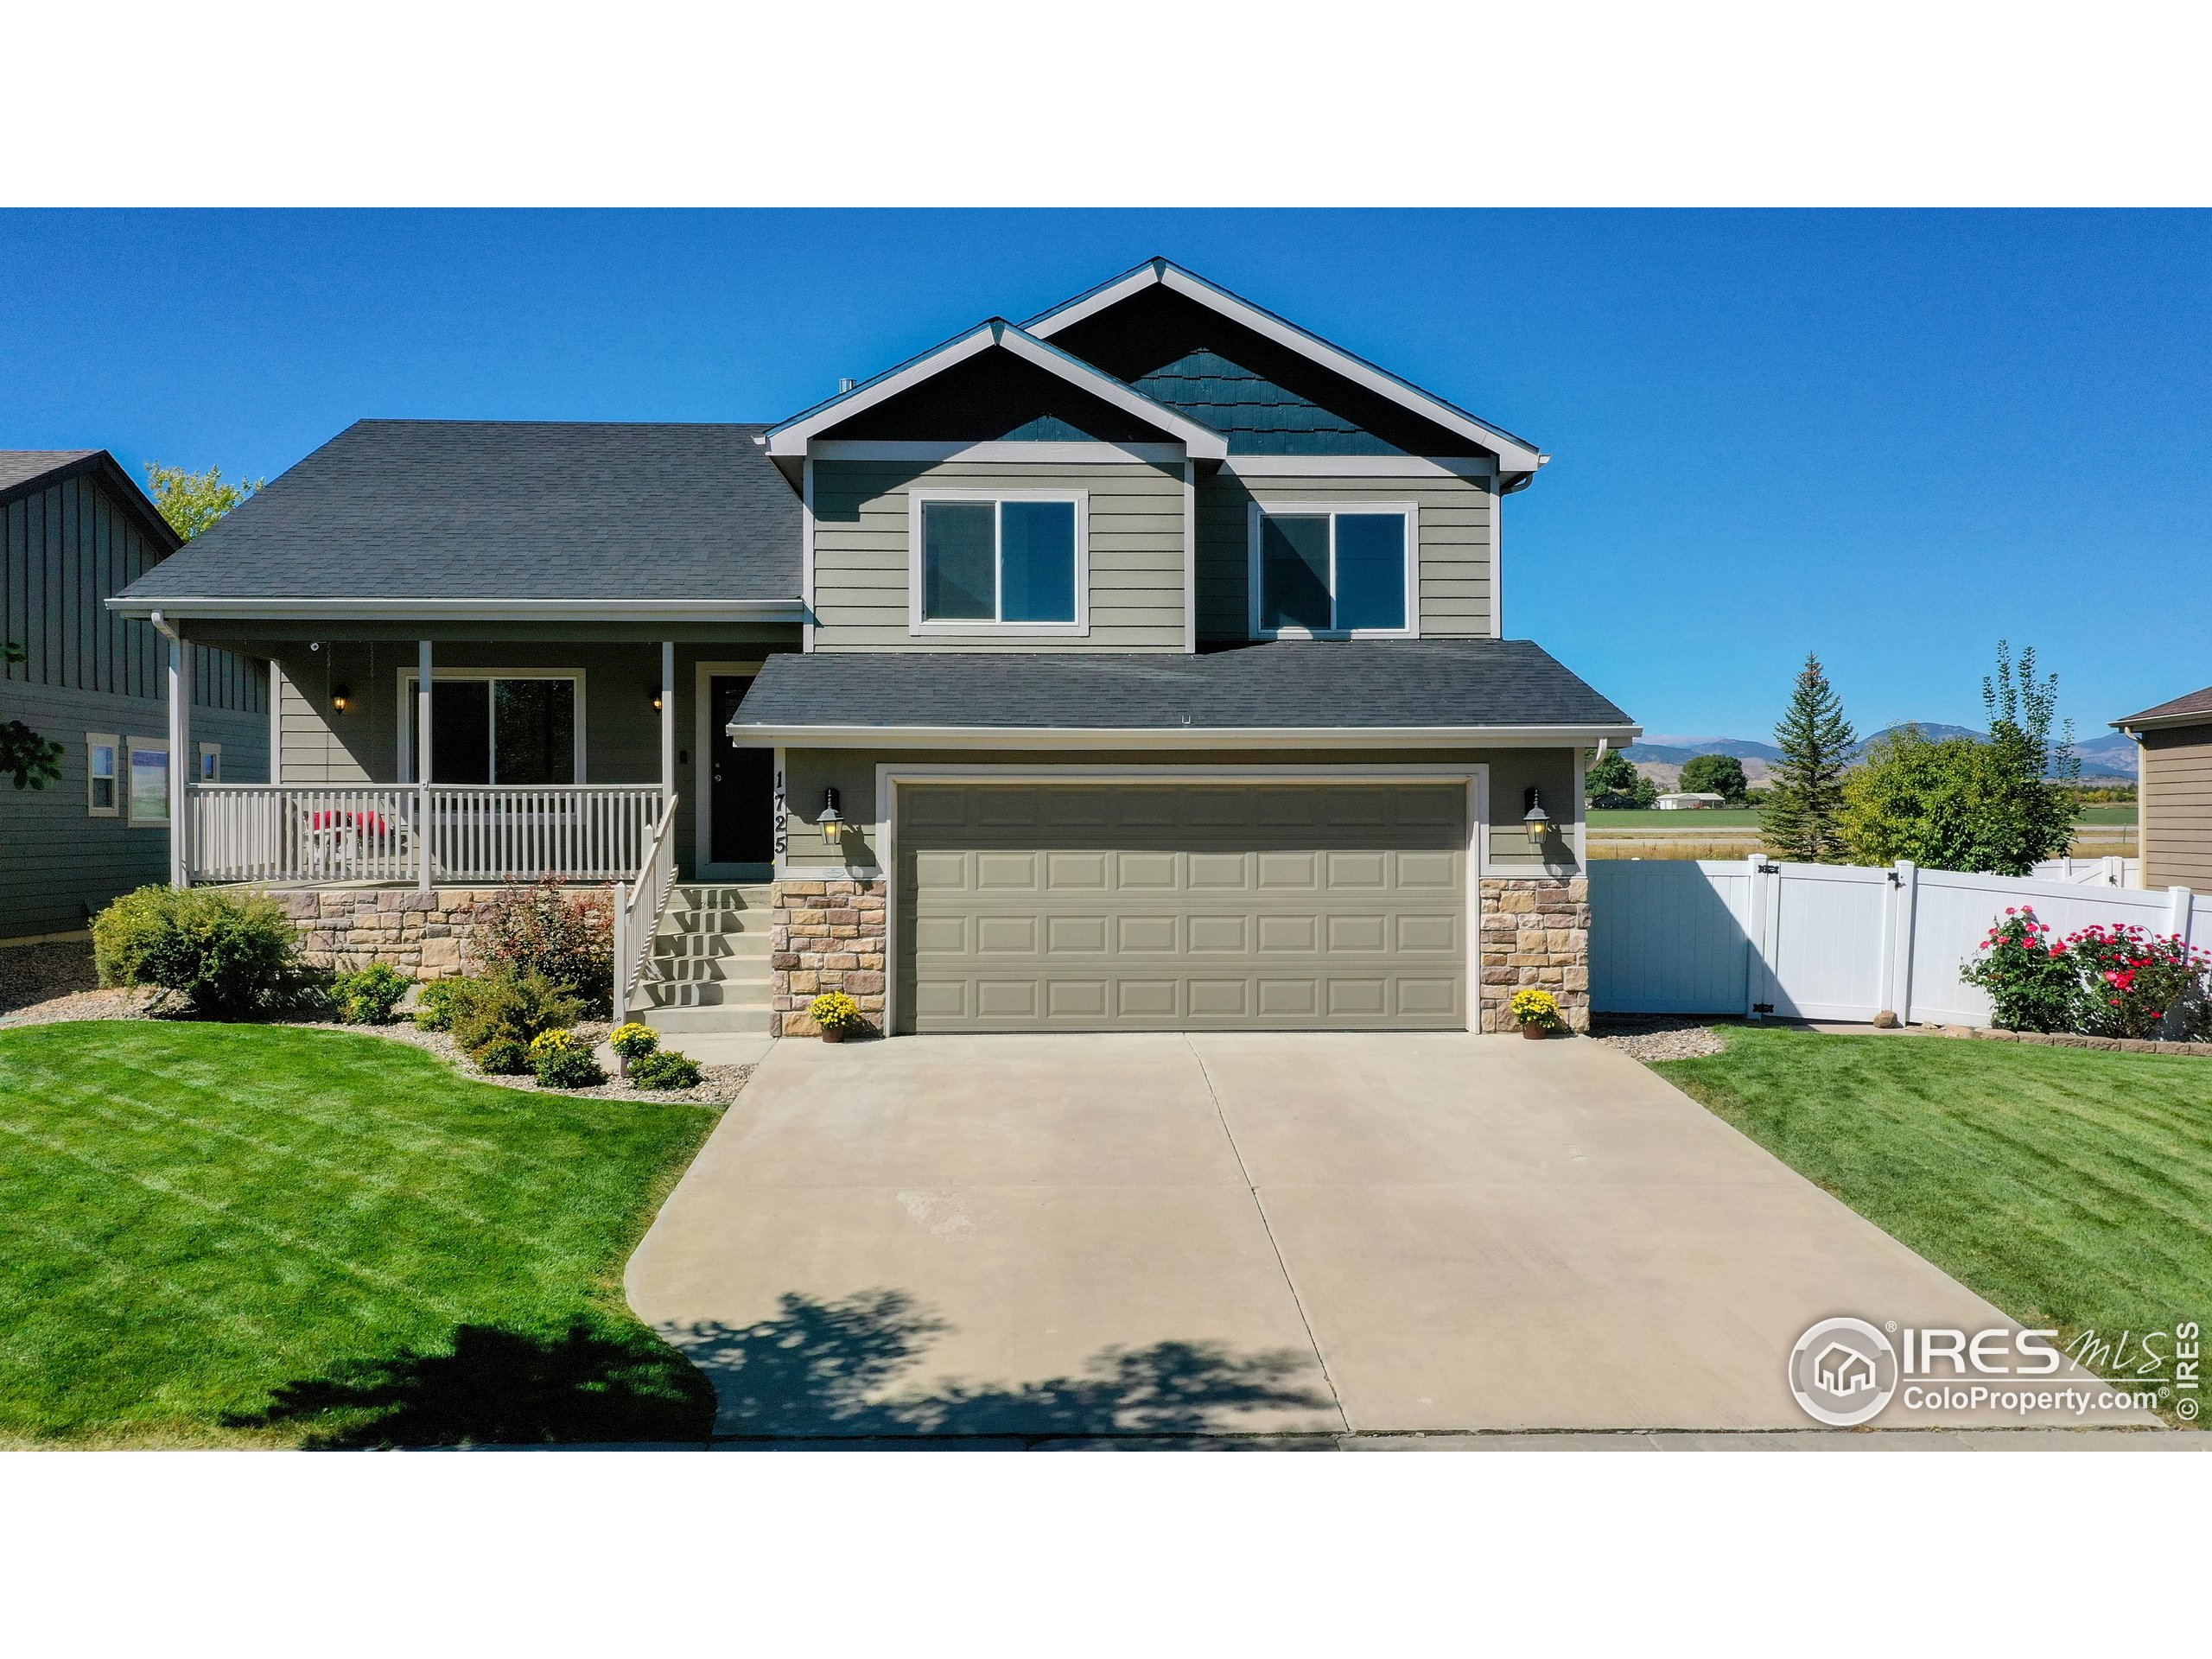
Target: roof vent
(845,384)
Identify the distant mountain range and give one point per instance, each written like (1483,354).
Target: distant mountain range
(2110,757)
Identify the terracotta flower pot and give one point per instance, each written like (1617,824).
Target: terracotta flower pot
(1535,1032)
(833,1033)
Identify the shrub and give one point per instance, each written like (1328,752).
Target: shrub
(835,1011)
(664,1070)
(2131,981)
(434,1008)
(367,998)
(230,956)
(504,1057)
(508,1007)
(2033,982)
(633,1041)
(562,1060)
(1532,1007)
(567,936)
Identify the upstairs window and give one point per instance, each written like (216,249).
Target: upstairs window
(1015,562)
(1332,570)
(101,750)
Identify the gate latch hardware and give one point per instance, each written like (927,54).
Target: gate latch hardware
(1762,1008)
(1769,869)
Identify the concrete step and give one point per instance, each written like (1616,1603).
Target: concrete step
(702,994)
(682,900)
(717,970)
(677,1022)
(720,946)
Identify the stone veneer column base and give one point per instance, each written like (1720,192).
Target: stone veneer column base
(826,935)
(424,934)
(1534,932)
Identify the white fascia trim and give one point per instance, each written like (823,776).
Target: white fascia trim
(440,610)
(1360,466)
(1513,455)
(1044,452)
(2202,717)
(1202,442)
(1182,737)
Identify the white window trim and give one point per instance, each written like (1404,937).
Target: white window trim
(208,751)
(404,676)
(890,775)
(1262,508)
(119,777)
(148,745)
(919,626)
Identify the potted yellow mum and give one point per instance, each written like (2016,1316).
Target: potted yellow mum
(1536,1012)
(836,1013)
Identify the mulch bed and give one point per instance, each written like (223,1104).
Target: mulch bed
(46,984)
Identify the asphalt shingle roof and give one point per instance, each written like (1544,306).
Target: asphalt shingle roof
(2197,702)
(1299,684)
(27,465)
(507,509)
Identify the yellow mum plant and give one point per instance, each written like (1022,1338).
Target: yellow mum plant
(835,1011)
(1534,1007)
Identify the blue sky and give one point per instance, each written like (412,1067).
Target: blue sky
(1888,437)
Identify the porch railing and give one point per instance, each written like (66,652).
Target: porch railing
(637,913)
(377,832)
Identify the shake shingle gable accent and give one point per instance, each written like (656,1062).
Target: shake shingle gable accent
(1287,692)
(484,512)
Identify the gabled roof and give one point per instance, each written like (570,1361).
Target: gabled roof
(2193,709)
(525,517)
(24,471)
(791,437)
(1514,455)
(1287,693)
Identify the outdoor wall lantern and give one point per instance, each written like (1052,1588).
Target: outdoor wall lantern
(652,694)
(1535,818)
(831,819)
(339,698)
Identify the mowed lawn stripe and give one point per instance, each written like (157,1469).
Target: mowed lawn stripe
(2072,1187)
(199,1222)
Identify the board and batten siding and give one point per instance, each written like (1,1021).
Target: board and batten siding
(1455,515)
(2176,808)
(861,558)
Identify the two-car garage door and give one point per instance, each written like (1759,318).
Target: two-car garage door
(1187,905)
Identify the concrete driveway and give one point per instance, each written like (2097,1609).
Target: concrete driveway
(1251,1234)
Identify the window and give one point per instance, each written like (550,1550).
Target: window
(1016,562)
(101,753)
(211,763)
(1332,570)
(487,729)
(149,764)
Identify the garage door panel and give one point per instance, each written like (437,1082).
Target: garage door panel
(1210,907)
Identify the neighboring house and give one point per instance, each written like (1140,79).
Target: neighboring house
(1140,667)
(2173,791)
(1693,801)
(73,531)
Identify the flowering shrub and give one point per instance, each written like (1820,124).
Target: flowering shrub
(2110,980)
(563,1060)
(835,1011)
(2031,979)
(1534,1007)
(2132,979)
(567,936)
(633,1041)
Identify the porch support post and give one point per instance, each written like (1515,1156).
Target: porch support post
(422,763)
(667,722)
(183,766)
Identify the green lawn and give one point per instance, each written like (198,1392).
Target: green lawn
(2123,814)
(1711,818)
(2071,1187)
(246,1234)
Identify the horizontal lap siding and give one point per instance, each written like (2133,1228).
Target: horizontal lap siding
(1454,571)
(2177,808)
(861,558)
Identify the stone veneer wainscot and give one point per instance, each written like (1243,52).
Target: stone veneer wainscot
(826,935)
(427,935)
(1536,931)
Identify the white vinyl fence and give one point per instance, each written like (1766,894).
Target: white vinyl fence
(1826,942)
(2107,872)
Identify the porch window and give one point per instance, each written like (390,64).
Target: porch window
(102,751)
(149,760)
(1014,561)
(499,729)
(1332,570)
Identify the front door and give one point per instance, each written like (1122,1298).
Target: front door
(741,831)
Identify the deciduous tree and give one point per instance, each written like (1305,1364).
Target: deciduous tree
(192,502)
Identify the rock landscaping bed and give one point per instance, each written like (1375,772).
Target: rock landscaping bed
(1653,1037)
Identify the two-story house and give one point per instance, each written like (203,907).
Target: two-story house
(1138,667)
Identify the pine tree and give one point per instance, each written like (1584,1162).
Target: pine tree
(1801,819)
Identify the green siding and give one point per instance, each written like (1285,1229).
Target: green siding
(861,557)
